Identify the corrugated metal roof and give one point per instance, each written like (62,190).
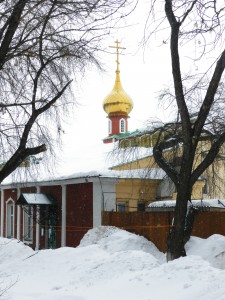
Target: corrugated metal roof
(205,203)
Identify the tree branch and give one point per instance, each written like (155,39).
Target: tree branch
(13,24)
(162,162)
(37,112)
(188,11)
(178,86)
(210,94)
(18,157)
(209,158)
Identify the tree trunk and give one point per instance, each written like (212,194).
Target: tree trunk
(192,212)
(176,240)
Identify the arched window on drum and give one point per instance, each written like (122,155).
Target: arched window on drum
(122,126)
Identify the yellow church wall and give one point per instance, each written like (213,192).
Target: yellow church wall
(133,191)
(196,191)
(132,205)
(215,178)
(147,162)
(214,175)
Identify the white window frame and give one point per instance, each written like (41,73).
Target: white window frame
(122,125)
(10,224)
(28,222)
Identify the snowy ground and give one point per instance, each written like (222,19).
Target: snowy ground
(112,264)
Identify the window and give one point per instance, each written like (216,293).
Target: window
(124,143)
(135,142)
(122,126)
(10,218)
(110,126)
(146,141)
(141,206)
(121,206)
(28,223)
(205,188)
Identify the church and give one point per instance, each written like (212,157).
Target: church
(52,213)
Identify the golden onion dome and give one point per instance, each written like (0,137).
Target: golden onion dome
(118,101)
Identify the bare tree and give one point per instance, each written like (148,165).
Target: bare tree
(199,23)
(42,45)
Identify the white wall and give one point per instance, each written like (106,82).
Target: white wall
(104,198)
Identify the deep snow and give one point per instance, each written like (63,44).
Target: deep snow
(112,264)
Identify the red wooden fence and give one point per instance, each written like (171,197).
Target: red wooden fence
(155,226)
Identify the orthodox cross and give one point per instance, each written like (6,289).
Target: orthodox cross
(117,47)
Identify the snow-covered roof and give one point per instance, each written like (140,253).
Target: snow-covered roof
(35,199)
(203,204)
(91,176)
(151,173)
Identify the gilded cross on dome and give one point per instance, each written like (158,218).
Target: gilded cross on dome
(117,104)
(117,47)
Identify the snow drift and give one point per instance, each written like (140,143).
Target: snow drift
(113,264)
